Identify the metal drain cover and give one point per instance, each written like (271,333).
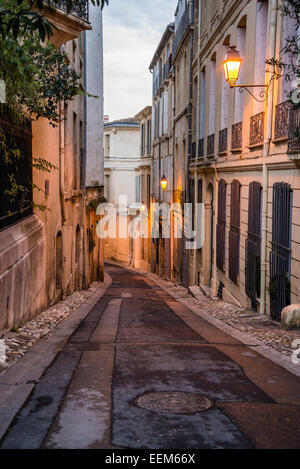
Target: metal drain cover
(174,402)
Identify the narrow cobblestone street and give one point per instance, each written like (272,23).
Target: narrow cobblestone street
(132,367)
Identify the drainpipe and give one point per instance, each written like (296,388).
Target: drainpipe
(60,151)
(199,73)
(198,116)
(60,156)
(86,274)
(190,106)
(266,154)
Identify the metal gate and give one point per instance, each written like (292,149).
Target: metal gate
(280,257)
(18,135)
(253,244)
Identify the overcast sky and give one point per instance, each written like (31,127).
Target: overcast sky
(132,31)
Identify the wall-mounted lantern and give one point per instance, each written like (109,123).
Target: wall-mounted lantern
(164,183)
(232,66)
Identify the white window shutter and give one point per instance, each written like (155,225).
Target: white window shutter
(166,113)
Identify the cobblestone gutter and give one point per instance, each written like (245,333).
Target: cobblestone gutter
(27,335)
(259,326)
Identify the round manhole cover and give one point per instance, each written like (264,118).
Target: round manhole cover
(174,402)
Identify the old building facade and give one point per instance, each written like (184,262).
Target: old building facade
(142,245)
(244,163)
(122,183)
(162,136)
(235,152)
(46,255)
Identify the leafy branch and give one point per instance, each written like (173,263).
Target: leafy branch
(24,17)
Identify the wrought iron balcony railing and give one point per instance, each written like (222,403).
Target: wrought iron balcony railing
(282,119)
(294,131)
(167,67)
(223,141)
(80,8)
(211,145)
(194,150)
(257,129)
(201,148)
(184,24)
(237,137)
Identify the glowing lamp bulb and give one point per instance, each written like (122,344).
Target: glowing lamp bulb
(232,66)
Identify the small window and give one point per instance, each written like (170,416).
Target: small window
(107,146)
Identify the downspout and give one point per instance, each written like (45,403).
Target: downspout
(197,119)
(266,154)
(190,106)
(198,82)
(86,274)
(60,151)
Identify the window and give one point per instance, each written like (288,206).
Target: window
(253,244)
(239,97)
(280,265)
(138,189)
(81,136)
(149,137)
(107,146)
(260,50)
(143,139)
(107,188)
(18,207)
(202,113)
(75,150)
(59,261)
(192,189)
(200,196)
(221,225)
(212,94)
(148,190)
(142,183)
(234,234)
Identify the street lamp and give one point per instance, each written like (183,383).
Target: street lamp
(232,66)
(164,183)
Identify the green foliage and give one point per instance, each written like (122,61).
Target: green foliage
(21,17)
(43,165)
(38,78)
(287,66)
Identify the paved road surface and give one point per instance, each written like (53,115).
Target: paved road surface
(138,340)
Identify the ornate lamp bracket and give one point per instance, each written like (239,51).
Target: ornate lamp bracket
(264,94)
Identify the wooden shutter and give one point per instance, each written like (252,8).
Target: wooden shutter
(221,225)
(200,193)
(253,244)
(193,202)
(234,234)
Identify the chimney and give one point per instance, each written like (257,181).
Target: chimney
(106,119)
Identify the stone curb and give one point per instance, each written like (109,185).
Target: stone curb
(246,339)
(17,384)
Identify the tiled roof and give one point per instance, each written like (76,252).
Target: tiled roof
(127,121)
